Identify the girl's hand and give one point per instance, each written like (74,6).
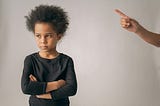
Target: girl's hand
(128,23)
(44,96)
(32,78)
(54,85)
(61,83)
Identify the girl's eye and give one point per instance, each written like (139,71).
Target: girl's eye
(38,36)
(49,35)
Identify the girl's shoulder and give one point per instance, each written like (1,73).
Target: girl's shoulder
(31,56)
(62,58)
(64,55)
(66,58)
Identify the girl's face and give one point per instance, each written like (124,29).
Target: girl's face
(46,38)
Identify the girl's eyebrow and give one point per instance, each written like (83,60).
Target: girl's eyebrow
(37,33)
(49,33)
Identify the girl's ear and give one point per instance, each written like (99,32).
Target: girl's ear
(59,36)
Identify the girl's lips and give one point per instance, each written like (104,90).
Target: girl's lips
(43,47)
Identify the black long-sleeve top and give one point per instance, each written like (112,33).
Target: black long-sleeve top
(46,70)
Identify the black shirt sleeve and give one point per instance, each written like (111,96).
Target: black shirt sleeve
(30,87)
(70,88)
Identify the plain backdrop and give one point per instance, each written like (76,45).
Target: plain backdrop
(114,67)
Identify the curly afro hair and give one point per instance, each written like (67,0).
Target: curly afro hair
(53,15)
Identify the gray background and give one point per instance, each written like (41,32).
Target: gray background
(113,67)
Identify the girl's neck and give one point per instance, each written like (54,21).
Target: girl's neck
(49,55)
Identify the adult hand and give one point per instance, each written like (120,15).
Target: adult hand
(127,22)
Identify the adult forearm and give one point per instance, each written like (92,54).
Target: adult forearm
(148,36)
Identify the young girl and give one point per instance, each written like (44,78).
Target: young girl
(48,76)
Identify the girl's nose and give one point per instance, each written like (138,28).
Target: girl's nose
(43,40)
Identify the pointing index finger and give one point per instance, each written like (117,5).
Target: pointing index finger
(121,13)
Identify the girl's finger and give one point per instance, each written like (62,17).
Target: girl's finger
(32,78)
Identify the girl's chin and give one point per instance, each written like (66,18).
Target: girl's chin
(42,50)
(46,50)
